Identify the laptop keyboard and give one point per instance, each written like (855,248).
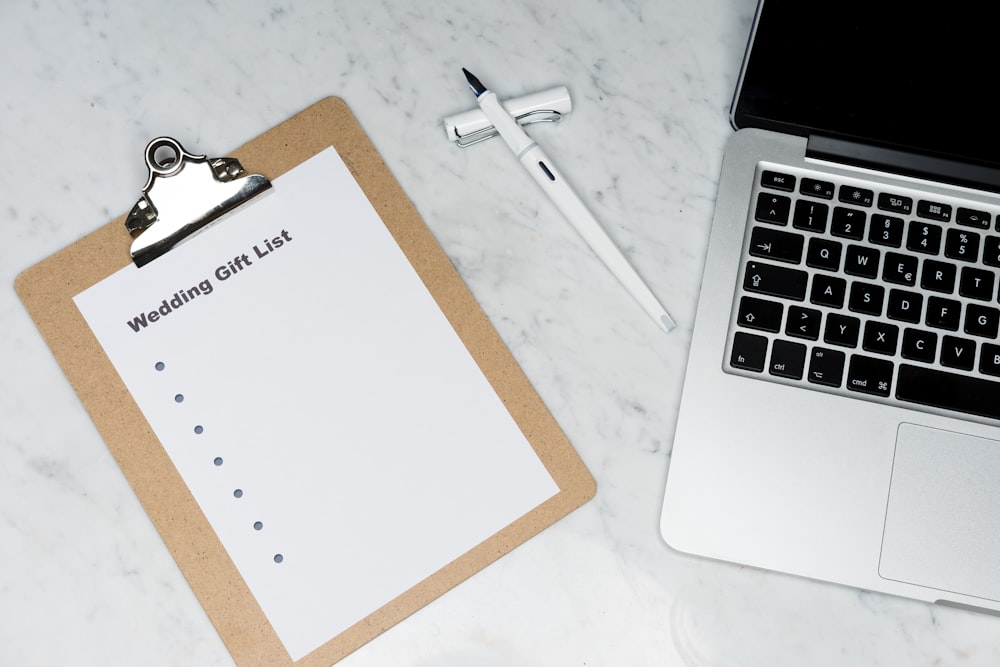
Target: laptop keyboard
(884,295)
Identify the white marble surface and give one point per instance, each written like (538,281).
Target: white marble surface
(85,579)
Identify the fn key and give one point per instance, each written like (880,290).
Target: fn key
(749,351)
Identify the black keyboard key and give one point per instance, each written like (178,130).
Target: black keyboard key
(775,281)
(826,367)
(981,321)
(773,208)
(989,360)
(919,345)
(828,291)
(961,244)
(895,203)
(886,230)
(933,210)
(880,337)
(991,250)
(824,254)
(866,298)
(938,276)
(788,359)
(748,352)
(869,376)
(777,181)
(958,353)
(848,223)
(943,313)
(972,218)
(816,188)
(760,314)
(905,306)
(861,261)
(950,391)
(775,244)
(803,322)
(924,237)
(900,269)
(856,196)
(976,283)
(810,216)
(842,330)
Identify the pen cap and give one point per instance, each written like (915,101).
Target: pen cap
(526,109)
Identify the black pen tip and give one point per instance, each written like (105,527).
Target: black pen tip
(477,87)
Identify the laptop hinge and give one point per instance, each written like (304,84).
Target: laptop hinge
(904,163)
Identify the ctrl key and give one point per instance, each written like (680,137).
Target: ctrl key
(749,352)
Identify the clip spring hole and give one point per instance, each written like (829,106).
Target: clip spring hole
(163,156)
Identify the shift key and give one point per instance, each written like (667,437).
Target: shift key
(776,281)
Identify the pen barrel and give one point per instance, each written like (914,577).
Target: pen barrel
(549,178)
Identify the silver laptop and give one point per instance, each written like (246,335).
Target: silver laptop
(841,411)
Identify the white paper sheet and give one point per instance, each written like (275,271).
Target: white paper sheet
(317,403)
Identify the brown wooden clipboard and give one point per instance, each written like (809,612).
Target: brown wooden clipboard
(47,290)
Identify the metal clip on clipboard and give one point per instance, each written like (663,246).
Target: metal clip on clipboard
(546,106)
(183,195)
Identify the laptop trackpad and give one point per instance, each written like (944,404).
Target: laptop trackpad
(942,526)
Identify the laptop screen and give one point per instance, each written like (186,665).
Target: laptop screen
(914,76)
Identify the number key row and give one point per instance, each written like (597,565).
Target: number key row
(885,230)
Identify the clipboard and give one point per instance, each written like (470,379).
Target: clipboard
(48,288)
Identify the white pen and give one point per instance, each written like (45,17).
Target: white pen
(548,177)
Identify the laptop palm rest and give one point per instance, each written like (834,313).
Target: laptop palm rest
(942,527)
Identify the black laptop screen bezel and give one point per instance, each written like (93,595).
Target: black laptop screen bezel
(896,75)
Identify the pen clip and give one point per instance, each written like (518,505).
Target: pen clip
(472,126)
(529,118)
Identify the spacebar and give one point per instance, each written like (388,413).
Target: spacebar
(939,389)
